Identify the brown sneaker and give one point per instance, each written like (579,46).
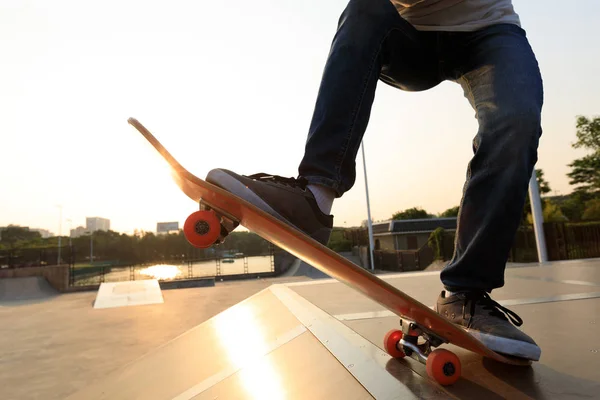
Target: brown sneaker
(486,320)
(287,199)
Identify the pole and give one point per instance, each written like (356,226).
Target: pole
(538,218)
(70,229)
(370,224)
(91,247)
(59,234)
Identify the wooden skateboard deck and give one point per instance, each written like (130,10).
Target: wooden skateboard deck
(321,257)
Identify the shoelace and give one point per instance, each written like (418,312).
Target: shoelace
(293,182)
(490,305)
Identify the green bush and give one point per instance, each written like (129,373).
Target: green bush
(435,241)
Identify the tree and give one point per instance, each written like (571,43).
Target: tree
(592,210)
(551,213)
(14,236)
(451,212)
(412,213)
(435,242)
(573,205)
(586,171)
(338,242)
(544,186)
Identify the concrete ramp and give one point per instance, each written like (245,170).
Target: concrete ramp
(128,293)
(301,268)
(308,270)
(25,290)
(273,345)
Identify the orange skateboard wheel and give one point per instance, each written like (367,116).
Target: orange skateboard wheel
(390,343)
(202,228)
(443,366)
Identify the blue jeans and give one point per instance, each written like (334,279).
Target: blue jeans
(499,73)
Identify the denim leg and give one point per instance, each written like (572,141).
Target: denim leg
(502,81)
(370,33)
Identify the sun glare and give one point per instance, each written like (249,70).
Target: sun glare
(243,339)
(162,271)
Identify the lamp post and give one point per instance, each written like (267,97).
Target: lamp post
(538,218)
(91,247)
(60,207)
(370,224)
(70,229)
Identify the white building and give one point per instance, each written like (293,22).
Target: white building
(79,231)
(166,227)
(93,224)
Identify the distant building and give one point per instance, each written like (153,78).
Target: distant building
(93,224)
(79,231)
(408,234)
(44,232)
(166,227)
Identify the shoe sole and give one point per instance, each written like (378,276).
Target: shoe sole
(238,188)
(511,347)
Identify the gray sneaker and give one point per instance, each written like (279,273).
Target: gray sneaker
(485,319)
(287,199)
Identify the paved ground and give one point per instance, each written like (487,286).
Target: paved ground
(54,346)
(50,348)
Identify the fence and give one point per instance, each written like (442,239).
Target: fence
(568,241)
(187,266)
(403,260)
(36,257)
(223,268)
(564,241)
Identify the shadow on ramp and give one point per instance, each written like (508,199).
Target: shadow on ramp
(300,268)
(304,269)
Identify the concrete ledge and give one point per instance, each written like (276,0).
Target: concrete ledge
(247,277)
(82,288)
(187,283)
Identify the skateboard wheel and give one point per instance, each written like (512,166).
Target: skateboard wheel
(390,343)
(202,229)
(443,366)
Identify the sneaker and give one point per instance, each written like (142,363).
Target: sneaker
(287,199)
(486,320)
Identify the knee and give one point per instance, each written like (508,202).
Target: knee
(507,141)
(515,129)
(524,123)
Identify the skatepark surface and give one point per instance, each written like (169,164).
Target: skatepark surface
(292,337)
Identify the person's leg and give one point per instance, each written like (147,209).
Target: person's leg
(500,76)
(372,41)
(502,81)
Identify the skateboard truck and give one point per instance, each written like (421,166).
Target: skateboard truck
(442,365)
(228,223)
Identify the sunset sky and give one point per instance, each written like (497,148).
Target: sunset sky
(233,85)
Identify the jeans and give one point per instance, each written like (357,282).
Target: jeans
(499,74)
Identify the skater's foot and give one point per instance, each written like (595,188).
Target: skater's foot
(287,199)
(487,320)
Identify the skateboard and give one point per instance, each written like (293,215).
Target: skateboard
(422,330)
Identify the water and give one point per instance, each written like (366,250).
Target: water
(171,272)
